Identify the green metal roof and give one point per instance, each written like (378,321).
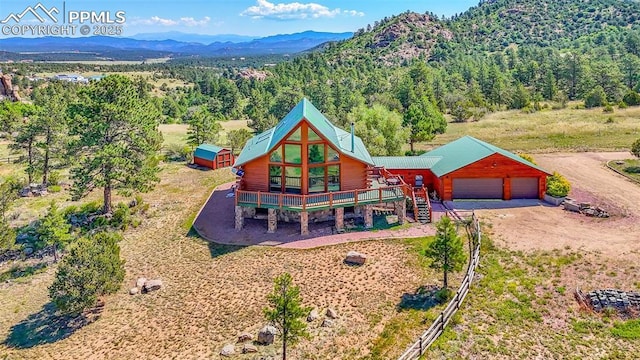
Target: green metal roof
(207,151)
(406,162)
(467,150)
(263,143)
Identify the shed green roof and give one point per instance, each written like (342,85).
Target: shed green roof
(467,150)
(263,143)
(207,151)
(406,162)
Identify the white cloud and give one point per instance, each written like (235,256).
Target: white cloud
(183,21)
(293,11)
(353,13)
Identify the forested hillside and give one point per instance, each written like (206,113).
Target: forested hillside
(411,69)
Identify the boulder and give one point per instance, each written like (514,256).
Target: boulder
(313,315)
(332,314)
(133,291)
(267,335)
(355,258)
(152,285)
(249,348)
(327,323)
(140,282)
(28,251)
(244,337)
(133,203)
(228,350)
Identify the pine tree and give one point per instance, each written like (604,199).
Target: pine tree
(117,140)
(446,251)
(286,311)
(91,269)
(54,230)
(203,127)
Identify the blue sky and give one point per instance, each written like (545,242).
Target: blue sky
(244,17)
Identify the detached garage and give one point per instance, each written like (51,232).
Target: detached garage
(213,156)
(469,168)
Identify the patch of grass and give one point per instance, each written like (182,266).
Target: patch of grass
(22,271)
(627,330)
(550,130)
(630,168)
(587,326)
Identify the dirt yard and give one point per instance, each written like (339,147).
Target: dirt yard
(547,228)
(213,293)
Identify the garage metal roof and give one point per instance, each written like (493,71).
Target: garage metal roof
(263,143)
(406,162)
(467,150)
(207,151)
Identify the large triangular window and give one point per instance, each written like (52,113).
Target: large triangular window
(313,136)
(296,136)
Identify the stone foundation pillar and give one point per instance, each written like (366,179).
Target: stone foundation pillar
(304,223)
(272,220)
(368,216)
(339,219)
(239,218)
(401,211)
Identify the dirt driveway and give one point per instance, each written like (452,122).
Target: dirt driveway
(546,228)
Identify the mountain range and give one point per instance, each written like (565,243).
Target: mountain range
(149,45)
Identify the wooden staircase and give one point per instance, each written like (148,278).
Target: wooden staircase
(422,205)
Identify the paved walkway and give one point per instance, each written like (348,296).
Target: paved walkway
(215,223)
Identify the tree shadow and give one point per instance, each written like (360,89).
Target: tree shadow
(632,169)
(217,250)
(46,327)
(424,298)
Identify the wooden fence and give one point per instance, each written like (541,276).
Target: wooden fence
(425,340)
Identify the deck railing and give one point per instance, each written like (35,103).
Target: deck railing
(322,200)
(410,193)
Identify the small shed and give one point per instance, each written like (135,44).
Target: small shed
(212,156)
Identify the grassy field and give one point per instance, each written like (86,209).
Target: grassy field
(523,307)
(630,168)
(176,134)
(551,130)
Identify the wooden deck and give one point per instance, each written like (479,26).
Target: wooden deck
(322,201)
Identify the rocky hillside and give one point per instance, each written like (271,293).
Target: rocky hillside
(493,25)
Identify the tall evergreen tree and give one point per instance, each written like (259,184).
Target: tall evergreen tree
(116,140)
(203,127)
(286,311)
(446,250)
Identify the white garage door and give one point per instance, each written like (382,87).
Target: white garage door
(524,188)
(484,188)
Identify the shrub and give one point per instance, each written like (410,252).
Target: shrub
(7,235)
(595,97)
(121,217)
(608,109)
(178,153)
(443,295)
(54,188)
(635,148)
(558,185)
(527,157)
(414,153)
(54,178)
(622,105)
(631,98)
(610,120)
(91,269)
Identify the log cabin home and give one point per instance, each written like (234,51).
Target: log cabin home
(307,169)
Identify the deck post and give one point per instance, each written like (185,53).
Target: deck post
(304,223)
(401,210)
(368,216)
(239,218)
(339,215)
(272,220)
